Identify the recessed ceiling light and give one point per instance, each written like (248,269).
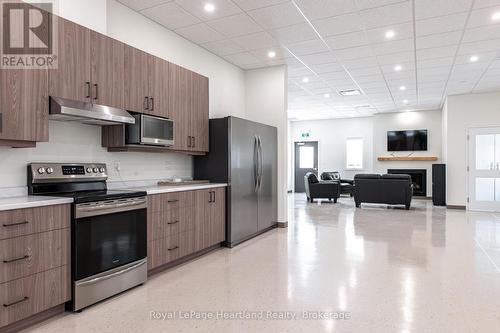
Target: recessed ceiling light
(398,68)
(305,79)
(326,95)
(271,54)
(209,7)
(406,102)
(402,88)
(350,92)
(474,58)
(390,34)
(495,16)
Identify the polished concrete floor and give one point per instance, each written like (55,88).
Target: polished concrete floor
(381,270)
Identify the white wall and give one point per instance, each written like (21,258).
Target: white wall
(266,103)
(430,120)
(463,112)
(81,143)
(332,134)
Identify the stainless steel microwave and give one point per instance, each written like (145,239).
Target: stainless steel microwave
(150,130)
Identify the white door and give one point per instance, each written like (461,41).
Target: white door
(484,169)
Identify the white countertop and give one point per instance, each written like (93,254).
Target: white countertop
(29,201)
(156,189)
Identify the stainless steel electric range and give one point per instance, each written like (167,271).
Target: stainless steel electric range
(108,229)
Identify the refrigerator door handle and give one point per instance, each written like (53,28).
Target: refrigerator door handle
(261,162)
(256,163)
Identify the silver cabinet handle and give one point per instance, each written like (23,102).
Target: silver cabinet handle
(152,103)
(174,222)
(15,224)
(145,105)
(96,89)
(1,122)
(173,248)
(24,299)
(16,259)
(87,89)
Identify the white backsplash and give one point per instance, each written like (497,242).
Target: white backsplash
(73,142)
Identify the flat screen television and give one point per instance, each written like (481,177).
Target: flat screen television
(414,140)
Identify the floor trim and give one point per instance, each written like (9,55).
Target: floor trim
(455,207)
(33,320)
(283,224)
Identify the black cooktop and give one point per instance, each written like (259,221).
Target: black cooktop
(90,196)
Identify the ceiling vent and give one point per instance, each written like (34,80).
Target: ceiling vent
(350,92)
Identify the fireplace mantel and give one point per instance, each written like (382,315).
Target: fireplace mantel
(407,158)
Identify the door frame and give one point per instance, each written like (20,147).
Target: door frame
(292,160)
(467,166)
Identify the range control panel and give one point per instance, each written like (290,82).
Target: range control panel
(50,172)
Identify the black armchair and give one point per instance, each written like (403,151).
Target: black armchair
(345,184)
(321,190)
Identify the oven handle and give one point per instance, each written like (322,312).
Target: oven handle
(109,207)
(112,275)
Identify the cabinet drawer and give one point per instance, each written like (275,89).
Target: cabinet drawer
(27,296)
(162,202)
(169,222)
(165,250)
(20,222)
(32,254)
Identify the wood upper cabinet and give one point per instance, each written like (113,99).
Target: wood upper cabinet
(24,105)
(71,79)
(180,88)
(136,83)
(199,113)
(159,86)
(107,63)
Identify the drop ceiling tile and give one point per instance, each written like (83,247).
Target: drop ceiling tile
(437,52)
(254,4)
(441,24)
(478,47)
(369,78)
(483,57)
(277,16)
(142,4)
(327,67)
(294,33)
(243,58)
(387,15)
(364,71)
(482,17)
(396,58)
(222,8)
(433,8)
(403,45)
(255,41)
(171,16)
(223,47)
(318,58)
(262,55)
(353,53)
(402,31)
(338,25)
(299,72)
(437,62)
(348,40)
(437,40)
(481,33)
(235,25)
(317,9)
(360,63)
(200,33)
(486,3)
(308,47)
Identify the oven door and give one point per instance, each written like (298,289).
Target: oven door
(108,234)
(157,131)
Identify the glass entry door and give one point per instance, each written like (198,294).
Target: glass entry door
(484,169)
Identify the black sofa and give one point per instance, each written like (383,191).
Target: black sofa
(383,189)
(320,190)
(345,184)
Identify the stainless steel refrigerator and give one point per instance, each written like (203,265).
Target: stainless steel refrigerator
(243,154)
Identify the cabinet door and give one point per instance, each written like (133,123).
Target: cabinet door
(107,59)
(71,78)
(199,113)
(136,83)
(24,104)
(159,86)
(218,216)
(180,104)
(202,219)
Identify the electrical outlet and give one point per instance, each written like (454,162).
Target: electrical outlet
(117,166)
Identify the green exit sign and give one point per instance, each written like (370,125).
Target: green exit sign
(305,135)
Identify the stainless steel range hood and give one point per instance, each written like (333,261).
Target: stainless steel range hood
(68,110)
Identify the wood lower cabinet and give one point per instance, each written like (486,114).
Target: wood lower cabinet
(34,261)
(183,223)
